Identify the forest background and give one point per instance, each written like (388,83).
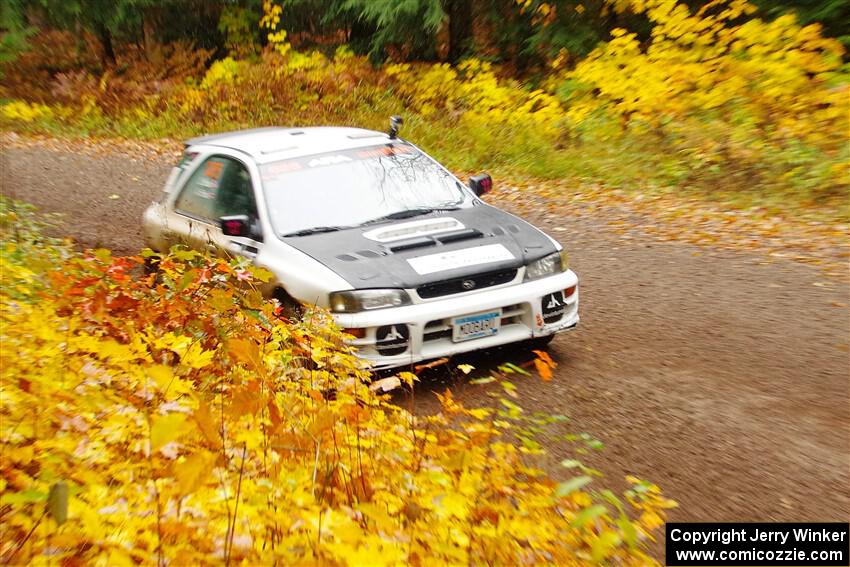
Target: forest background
(742,103)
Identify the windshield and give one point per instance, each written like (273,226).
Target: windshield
(353,187)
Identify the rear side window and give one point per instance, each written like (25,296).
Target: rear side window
(220,186)
(177,171)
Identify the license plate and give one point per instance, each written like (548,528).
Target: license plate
(476,326)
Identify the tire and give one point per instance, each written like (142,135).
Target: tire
(290,307)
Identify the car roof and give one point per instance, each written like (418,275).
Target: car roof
(275,143)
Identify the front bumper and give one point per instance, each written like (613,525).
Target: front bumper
(429,324)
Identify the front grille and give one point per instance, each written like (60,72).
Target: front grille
(469,283)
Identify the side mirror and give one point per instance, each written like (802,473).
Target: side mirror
(481,184)
(235,225)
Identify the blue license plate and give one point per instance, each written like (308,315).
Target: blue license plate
(476,326)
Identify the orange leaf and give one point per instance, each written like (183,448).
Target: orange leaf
(542,354)
(245,351)
(207,424)
(543,369)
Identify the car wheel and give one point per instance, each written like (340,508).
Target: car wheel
(290,308)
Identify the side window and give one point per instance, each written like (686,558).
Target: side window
(220,186)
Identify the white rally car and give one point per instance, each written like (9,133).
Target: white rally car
(409,260)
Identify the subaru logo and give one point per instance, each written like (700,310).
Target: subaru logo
(467,284)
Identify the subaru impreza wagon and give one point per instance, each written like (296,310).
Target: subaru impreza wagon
(408,259)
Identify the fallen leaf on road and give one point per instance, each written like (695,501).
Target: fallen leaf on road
(386,384)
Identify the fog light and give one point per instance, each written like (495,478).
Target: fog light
(553,307)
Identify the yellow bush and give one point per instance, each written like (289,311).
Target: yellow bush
(473,92)
(178,421)
(777,73)
(24,111)
(224,71)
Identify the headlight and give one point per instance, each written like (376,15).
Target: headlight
(365,299)
(547,266)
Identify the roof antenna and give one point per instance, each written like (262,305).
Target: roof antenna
(395,122)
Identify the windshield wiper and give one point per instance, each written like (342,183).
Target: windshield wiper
(409,213)
(314,230)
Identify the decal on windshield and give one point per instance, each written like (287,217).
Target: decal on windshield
(460,259)
(274,170)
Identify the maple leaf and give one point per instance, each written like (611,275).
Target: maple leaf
(193,471)
(165,428)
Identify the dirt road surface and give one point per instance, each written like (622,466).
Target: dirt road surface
(719,376)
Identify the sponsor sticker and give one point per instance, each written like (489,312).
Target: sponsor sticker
(460,259)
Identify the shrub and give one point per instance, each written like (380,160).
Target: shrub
(25,112)
(744,103)
(176,419)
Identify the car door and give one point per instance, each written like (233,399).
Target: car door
(220,186)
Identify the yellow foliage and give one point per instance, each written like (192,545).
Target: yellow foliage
(271,21)
(174,428)
(473,93)
(224,71)
(24,111)
(775,75)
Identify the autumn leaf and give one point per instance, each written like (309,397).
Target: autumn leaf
(193,471)
(207,424)
(543,369)
(196,357)
(385,384)
(165,429)
(570,486)
(245,351)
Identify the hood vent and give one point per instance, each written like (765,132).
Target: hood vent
(466,234)
(403,231)
(421,242)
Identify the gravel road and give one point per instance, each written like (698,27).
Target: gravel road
(721,377)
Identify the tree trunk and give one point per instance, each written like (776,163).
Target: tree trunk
(460,28)
(107,53)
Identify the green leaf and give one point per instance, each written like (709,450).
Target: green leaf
(629,531)
(511,368)
(570,486)
(588,515)
(29,496)
(187,279)
(57,502)
(184,255)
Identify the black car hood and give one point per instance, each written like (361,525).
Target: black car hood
(488,240)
